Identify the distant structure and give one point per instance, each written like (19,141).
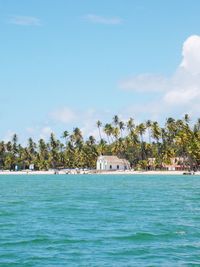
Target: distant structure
(175,164)
(31,167)
(112,163)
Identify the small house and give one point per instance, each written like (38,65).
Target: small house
(177,164)
(112,163)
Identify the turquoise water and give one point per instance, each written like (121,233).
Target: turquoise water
(99,221)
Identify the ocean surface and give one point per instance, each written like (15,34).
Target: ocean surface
(99,220)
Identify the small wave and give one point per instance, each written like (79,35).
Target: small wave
(16,202)
(180,232)
(68,241)
(145,236)
(129,252)
(137,236)
(29,241)
(6,213)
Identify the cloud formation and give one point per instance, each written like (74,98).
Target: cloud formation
(144,82)
(63,115)
(8,136)
(84,119)
(38,132)
(181,91)
(191,55)
(24,21)
(103,20)
(45,132)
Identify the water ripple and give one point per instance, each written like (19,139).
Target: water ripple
(99,221)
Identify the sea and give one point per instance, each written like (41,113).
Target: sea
(99,220)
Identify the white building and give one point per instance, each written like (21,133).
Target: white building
(112,163)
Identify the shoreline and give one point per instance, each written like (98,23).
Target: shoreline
(75,172)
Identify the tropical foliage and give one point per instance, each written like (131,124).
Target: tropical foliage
(137,143)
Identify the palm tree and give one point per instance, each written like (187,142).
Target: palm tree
(31,146)
(148,126)
(14,144)
(171,129)
(43,156)
(116,133)
(91,140)
(198,124)
(2,153)
(130,124)
(141,128)
(65,135)
(77,136)
(15,138)
(156,131)
(108,130)
(116,120)
(99,124)
(102,147)
(134,137)
(176,139)
(156,134)
(121,127)
(118,147)
(187,118)
(54,155)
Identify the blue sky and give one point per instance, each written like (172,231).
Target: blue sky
(67,63)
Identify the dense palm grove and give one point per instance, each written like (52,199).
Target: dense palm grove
(136,143)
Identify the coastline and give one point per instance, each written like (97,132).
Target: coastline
(75,172)
(149,172)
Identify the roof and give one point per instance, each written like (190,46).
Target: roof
(114,160)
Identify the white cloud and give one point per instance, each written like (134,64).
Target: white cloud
(24,21)
(45,132)
(144,82)
(88,122)
(179,93)
(8,136)
(89,128)
(103,20)
(37,132)
(30,130)
(182,96)
(63,115)
(191,55)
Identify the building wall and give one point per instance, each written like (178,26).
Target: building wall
(104,165)
(101,165)
(114,166)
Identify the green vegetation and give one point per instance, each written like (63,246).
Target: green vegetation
(136,143)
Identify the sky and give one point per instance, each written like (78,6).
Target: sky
(69,63)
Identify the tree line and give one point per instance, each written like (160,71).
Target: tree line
(135,142)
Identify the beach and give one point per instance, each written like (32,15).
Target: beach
(78,172)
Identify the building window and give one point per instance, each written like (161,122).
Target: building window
(110,167)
